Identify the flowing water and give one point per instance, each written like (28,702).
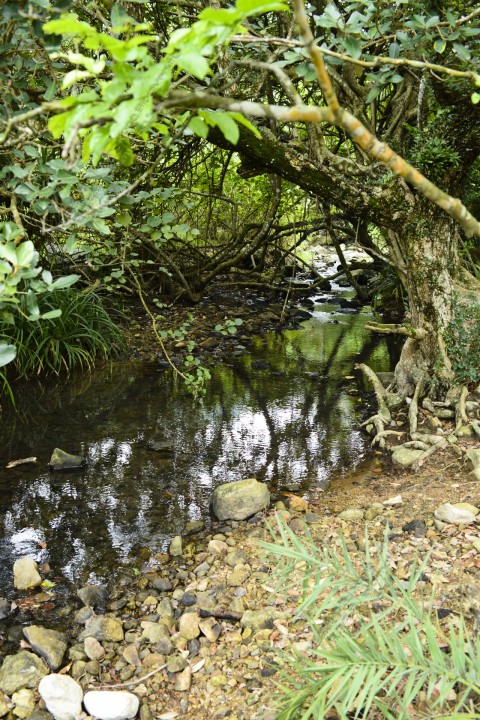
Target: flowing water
(292,424)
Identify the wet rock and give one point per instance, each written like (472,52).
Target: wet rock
(450,514)
(239,500)
(194,526)
(183,680)
(161,584)
(405,456)
(93,649)
(5,609)
(24,701)
(62,460)
(25,573)
(159,445)
(298,503)
(49,644)
(94,596)
(102,627)
(23,670)
(82,615)
(111,705)
(176,547)
(352,514)
(189,625)
(415,527)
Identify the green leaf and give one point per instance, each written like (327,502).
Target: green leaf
(64,282)
(48,583)
(462,51)
(25,253)
(121,149)
(32,305)
(68,24)
(353,46)
(7,354)
(194,64)
(246,122)
(8,252)
(50,315)
(73,77)
(56,124)
(47,277)
(123,219)
(440,45)
(224,122)
(198,127)
(475,98)
(255,7)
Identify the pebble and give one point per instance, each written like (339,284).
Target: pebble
(176,547)
(189,625)
(183,680)
(62,695)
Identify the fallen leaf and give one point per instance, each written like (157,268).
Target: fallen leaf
(198,666)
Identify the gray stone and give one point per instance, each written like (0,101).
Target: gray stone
(154,632)
(49,644)
(217,547)
(111,705)
(102,627)
(176,547)
(161,584)
(62,695)
(455,515)
(239,500)
(235,557)
(25,573)
(474,457)
(188,599)
(93,649)
(62,460)
(5,608)
(405,456)
(23,670)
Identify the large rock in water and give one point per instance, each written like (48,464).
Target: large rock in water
(25,573)
(23,670)
(62,696)
(62,460)
(238,500)
(49,644)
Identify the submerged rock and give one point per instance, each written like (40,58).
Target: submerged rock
(25,573)
(94,596)
(62,695)
(49,644)
(238,500)
(62,460)
(111,705)
(23,670)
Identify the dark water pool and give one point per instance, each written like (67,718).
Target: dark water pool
(292,425)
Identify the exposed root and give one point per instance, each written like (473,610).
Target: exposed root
(461,417)
(428,453)
(413,409)
(384,434)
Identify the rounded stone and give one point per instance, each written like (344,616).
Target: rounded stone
(111,705)
(25,573)
(62,696)
(239,500)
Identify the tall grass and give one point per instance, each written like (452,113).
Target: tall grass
(379,649)
(82,334)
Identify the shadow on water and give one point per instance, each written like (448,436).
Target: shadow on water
(291,424)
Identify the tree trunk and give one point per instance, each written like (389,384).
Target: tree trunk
(425,250)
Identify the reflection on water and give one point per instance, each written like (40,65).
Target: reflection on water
(291,425)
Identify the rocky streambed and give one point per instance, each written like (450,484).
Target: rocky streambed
(201,633)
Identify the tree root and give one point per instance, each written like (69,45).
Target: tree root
(461,417)
(413,409)
(428,453)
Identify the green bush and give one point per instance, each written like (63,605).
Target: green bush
(76,339)
(379,650)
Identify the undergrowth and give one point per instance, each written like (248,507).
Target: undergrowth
(379,649)
(75,339)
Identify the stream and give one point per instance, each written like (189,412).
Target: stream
(285,412)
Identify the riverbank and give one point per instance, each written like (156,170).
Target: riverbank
(201,632)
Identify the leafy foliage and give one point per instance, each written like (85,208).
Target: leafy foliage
(396,662)
(462,340)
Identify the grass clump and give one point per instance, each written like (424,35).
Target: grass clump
(77,338)
(379,649)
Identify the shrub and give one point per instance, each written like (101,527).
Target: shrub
(83,332)
(379,650)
